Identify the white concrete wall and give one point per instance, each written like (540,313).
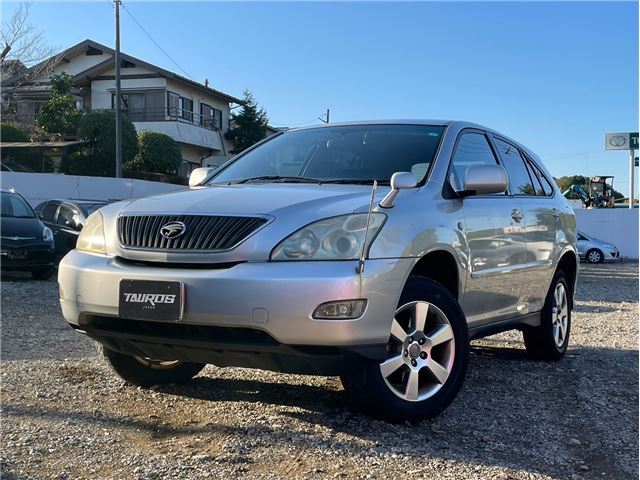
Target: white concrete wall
(616,225)
(38,187)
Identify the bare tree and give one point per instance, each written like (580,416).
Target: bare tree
(23,46)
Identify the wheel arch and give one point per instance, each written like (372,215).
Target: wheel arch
(568,263)
(442,266)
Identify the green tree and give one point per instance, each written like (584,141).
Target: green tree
(59,116)
(157,152)
(12,133)
(98,156)
(249,126)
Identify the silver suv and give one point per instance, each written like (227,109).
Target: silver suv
(375,251)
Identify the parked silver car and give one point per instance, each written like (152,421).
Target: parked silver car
(374,251)
(592,250)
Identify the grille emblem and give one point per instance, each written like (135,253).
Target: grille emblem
(173,230)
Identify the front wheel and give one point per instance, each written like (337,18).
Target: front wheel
(595,256)
(428,352)
(145,372)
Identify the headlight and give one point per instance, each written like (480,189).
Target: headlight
(47,234)
(91,237)
(336,238)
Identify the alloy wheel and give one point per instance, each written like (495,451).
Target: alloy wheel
(595,256)
(560,315)
(421,351)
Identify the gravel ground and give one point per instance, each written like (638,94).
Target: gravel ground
(65,416)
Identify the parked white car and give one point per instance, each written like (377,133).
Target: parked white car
(592,250)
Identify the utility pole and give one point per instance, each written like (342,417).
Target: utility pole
(327,115)
(118,94)
(632,165)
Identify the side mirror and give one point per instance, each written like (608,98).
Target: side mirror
(199,175)
(484,180)
(399,181)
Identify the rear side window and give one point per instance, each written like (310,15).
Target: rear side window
(66,215)
(473,149)
(49,212)
(519,180)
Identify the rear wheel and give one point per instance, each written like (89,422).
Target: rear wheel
(427,359)
(595,256)
(144,372)
(549,341)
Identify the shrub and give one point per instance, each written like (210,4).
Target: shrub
(157,152)
(12,133)
(98,156)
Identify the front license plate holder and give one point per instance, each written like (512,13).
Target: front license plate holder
(151,300)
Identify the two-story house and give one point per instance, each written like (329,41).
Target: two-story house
(155,99)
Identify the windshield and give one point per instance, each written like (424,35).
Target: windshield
(14,206)
(347,154)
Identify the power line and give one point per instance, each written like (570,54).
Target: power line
(154,42)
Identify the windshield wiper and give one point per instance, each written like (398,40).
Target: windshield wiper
(356,181)
(275,178)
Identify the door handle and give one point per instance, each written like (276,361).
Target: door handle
(556,213)
(516,214)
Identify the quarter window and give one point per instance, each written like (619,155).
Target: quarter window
(546,185)
(519,180)
(473,149)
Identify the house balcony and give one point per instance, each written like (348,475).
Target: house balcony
(183,126)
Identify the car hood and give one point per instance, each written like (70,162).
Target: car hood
(22,227)
(318,200)
(287,206)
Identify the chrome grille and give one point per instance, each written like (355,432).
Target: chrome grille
(202,232)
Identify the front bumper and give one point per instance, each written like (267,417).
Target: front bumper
(273,297)
(26,258)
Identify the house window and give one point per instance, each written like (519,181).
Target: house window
(134,104)
(210,117)
(178,106)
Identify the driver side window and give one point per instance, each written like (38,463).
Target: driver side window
(473,149)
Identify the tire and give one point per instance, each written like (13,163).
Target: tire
(594,256)
(391,397)
(145,372)
(549,340)
(42,274)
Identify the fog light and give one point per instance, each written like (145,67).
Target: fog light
(341,310)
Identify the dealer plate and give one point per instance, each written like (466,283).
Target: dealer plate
(151,300)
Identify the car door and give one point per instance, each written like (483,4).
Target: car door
(494,235)
(68,223)
(541,220)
